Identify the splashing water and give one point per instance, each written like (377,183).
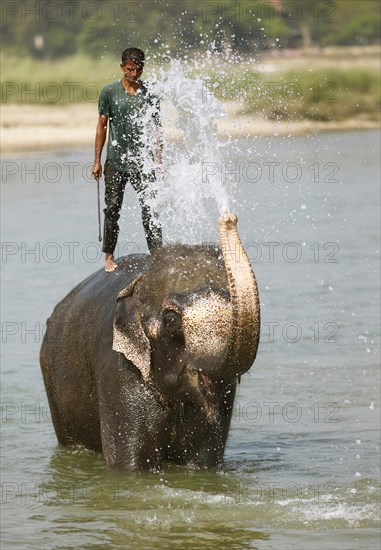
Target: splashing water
(189,195)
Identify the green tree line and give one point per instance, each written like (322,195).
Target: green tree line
(50,29)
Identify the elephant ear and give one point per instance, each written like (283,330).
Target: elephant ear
(129,337)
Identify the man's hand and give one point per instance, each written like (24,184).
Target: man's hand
(97,170)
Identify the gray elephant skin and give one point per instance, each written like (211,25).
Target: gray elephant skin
(142,364)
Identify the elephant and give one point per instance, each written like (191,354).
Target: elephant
(142,364)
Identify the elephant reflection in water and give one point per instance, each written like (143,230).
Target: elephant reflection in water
(142,364)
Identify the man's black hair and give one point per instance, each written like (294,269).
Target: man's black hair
(133,54)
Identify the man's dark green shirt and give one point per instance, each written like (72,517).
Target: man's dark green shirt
(133,125)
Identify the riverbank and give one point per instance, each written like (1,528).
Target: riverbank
(39,128)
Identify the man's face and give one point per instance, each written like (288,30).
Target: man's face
(132,71)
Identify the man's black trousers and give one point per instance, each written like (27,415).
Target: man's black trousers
(115,182)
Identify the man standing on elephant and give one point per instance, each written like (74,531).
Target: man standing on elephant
(133,150)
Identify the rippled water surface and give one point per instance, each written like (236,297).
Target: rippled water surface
(302,459)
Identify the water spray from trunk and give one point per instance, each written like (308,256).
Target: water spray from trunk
(191,194)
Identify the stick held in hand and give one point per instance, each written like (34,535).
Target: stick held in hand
(99,211)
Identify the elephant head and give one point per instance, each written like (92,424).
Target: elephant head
(192,318)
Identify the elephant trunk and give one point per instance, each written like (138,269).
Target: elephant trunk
(245,325)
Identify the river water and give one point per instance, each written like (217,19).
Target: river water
(302,463)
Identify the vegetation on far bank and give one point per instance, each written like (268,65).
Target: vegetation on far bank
(56,53)
(305,94)
(313,91)
(54,30)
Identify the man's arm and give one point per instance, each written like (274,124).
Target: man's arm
(158,146)
(158,140)
(158,134)
(100,138)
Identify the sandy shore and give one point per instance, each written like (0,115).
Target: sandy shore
(39,128)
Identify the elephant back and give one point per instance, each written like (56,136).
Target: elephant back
(85,315)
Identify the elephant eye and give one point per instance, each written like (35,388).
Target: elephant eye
(170,319)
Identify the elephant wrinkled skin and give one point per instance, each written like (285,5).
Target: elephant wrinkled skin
(142,364)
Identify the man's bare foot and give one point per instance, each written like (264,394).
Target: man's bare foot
(110,263)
